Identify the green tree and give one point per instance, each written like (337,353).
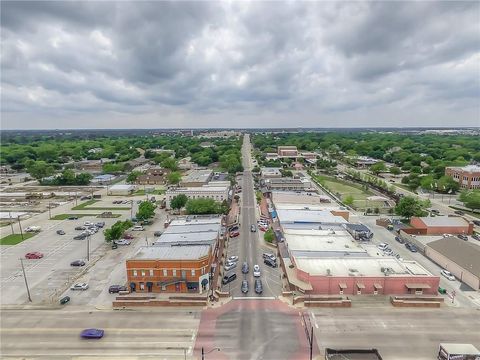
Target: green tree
(179,201)
(395,170)
(348,200)
(146,210)
(269,236)
(428,183)
(170,163)
(117,230)
(470,198)
(202,206)
(132,177)
(39,169)
(409,206)
(174,178)
(447,184)
(378,168)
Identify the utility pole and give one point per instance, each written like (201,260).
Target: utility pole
(20,226)
(26,282)
(11,221)
(49,211)
(88,247)
(131,209)
(76,200)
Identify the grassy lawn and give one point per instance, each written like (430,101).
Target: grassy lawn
(155,192)
(86,206)
(14,239)
(66,216)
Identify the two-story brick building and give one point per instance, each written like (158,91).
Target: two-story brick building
(467,176)
(170,269)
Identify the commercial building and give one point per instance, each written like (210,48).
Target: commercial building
(217,193)
(170,269)
(270,172)
(467,176)
(197,177)
(288,183)
(461,258)
(364,161)
(287,151)
(153,176)
(439,225)
(103,179)
(121,189)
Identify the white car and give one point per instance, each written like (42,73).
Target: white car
(256,270)
(233,258)
(79,286)
(138,228)
(33,229)
(448,275)
(87,223)
(382,246)
(122,242)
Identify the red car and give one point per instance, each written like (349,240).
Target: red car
(128,236)
(234,234)
(34,255)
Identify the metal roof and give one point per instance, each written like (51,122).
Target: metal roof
(462,253)
(444,221)
(172,252)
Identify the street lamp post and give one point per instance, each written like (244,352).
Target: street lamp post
(50,211)
(88,247)
(26,282)
(20,226)
(208,352)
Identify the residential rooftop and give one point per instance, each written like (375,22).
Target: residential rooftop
(172,252)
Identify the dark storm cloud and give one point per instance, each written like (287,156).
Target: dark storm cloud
(185,61)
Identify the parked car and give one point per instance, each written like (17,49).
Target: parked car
(448,275)
(476,236)
(382,246)
(411,247)
(114,246)
(122,242)
(234,234)
(87,223)
(459,212)
(269,256)
(233,258)
(92,333)
(64,300)
(245,268)
(128,236)
(253,228)
(229,266)
(270,262)
(77,263)
(476,222)
(80,228)
(138,228)
(258,286)
(33,229)
(256,270)
(229,277)
(157,233)
(463,237)
(388,251)
(113,289)
(244,286)
(100,224)
(73,217)
(34,255)
(60,232)
(435,211)
(79,286)
(80,237)
(399,239)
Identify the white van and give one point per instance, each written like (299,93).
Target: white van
(382,246)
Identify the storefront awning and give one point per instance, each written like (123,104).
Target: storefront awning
(360,286)
(342,285)
(417,286)
(377,286)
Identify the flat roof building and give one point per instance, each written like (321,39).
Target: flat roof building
(440,225)
(217,193)
(467,176)
(270,172)
(288,183)
(197,177)
(121,189)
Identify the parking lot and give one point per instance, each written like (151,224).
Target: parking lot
(50,277)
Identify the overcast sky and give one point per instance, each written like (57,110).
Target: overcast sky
(232,64)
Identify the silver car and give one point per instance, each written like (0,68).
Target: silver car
(244,286)
(230,266)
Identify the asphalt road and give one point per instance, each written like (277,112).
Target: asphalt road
(55,334)
(248,246)
(398,334)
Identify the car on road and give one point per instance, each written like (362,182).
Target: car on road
(228,277)
(157,233)
(270,262)
(399,239)
(64,300)
(122,242)
(476,236)
(113,289)
(256,271)
(459,212)
(234,234)
(233,258)
(463,237)
(77,263)
(447,274)
(92,333)
(245,268)
(60,232)
(435,211)
(258,286)
(253,228)
(229,266)
(80,228)
(138,228)
(411,247)
(80,237)
(476,222)
(72,218)
(269,256)
(34,255)
(128,236)
(244,286)
(33,229)
(79,286)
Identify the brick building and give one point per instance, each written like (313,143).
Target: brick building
(170,269)
(467,176)
(153,176)
(439,225)
(287,151)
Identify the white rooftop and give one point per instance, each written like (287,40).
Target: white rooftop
(172,252)
(199,189)
(444,221)
(190,220)
(468,168)
(307,214)
(196,175)
(321,241)
(122,187)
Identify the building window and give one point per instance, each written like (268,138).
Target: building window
(142,286)
(134,272)
(151,272)
(165,272)
(143,272)
(164,288)
(203,270)
(174,272)
(193,272)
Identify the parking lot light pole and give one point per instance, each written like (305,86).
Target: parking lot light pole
(11,221)
(50,211)
(88,247)
(20,226)
(208,352)
(26,282)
